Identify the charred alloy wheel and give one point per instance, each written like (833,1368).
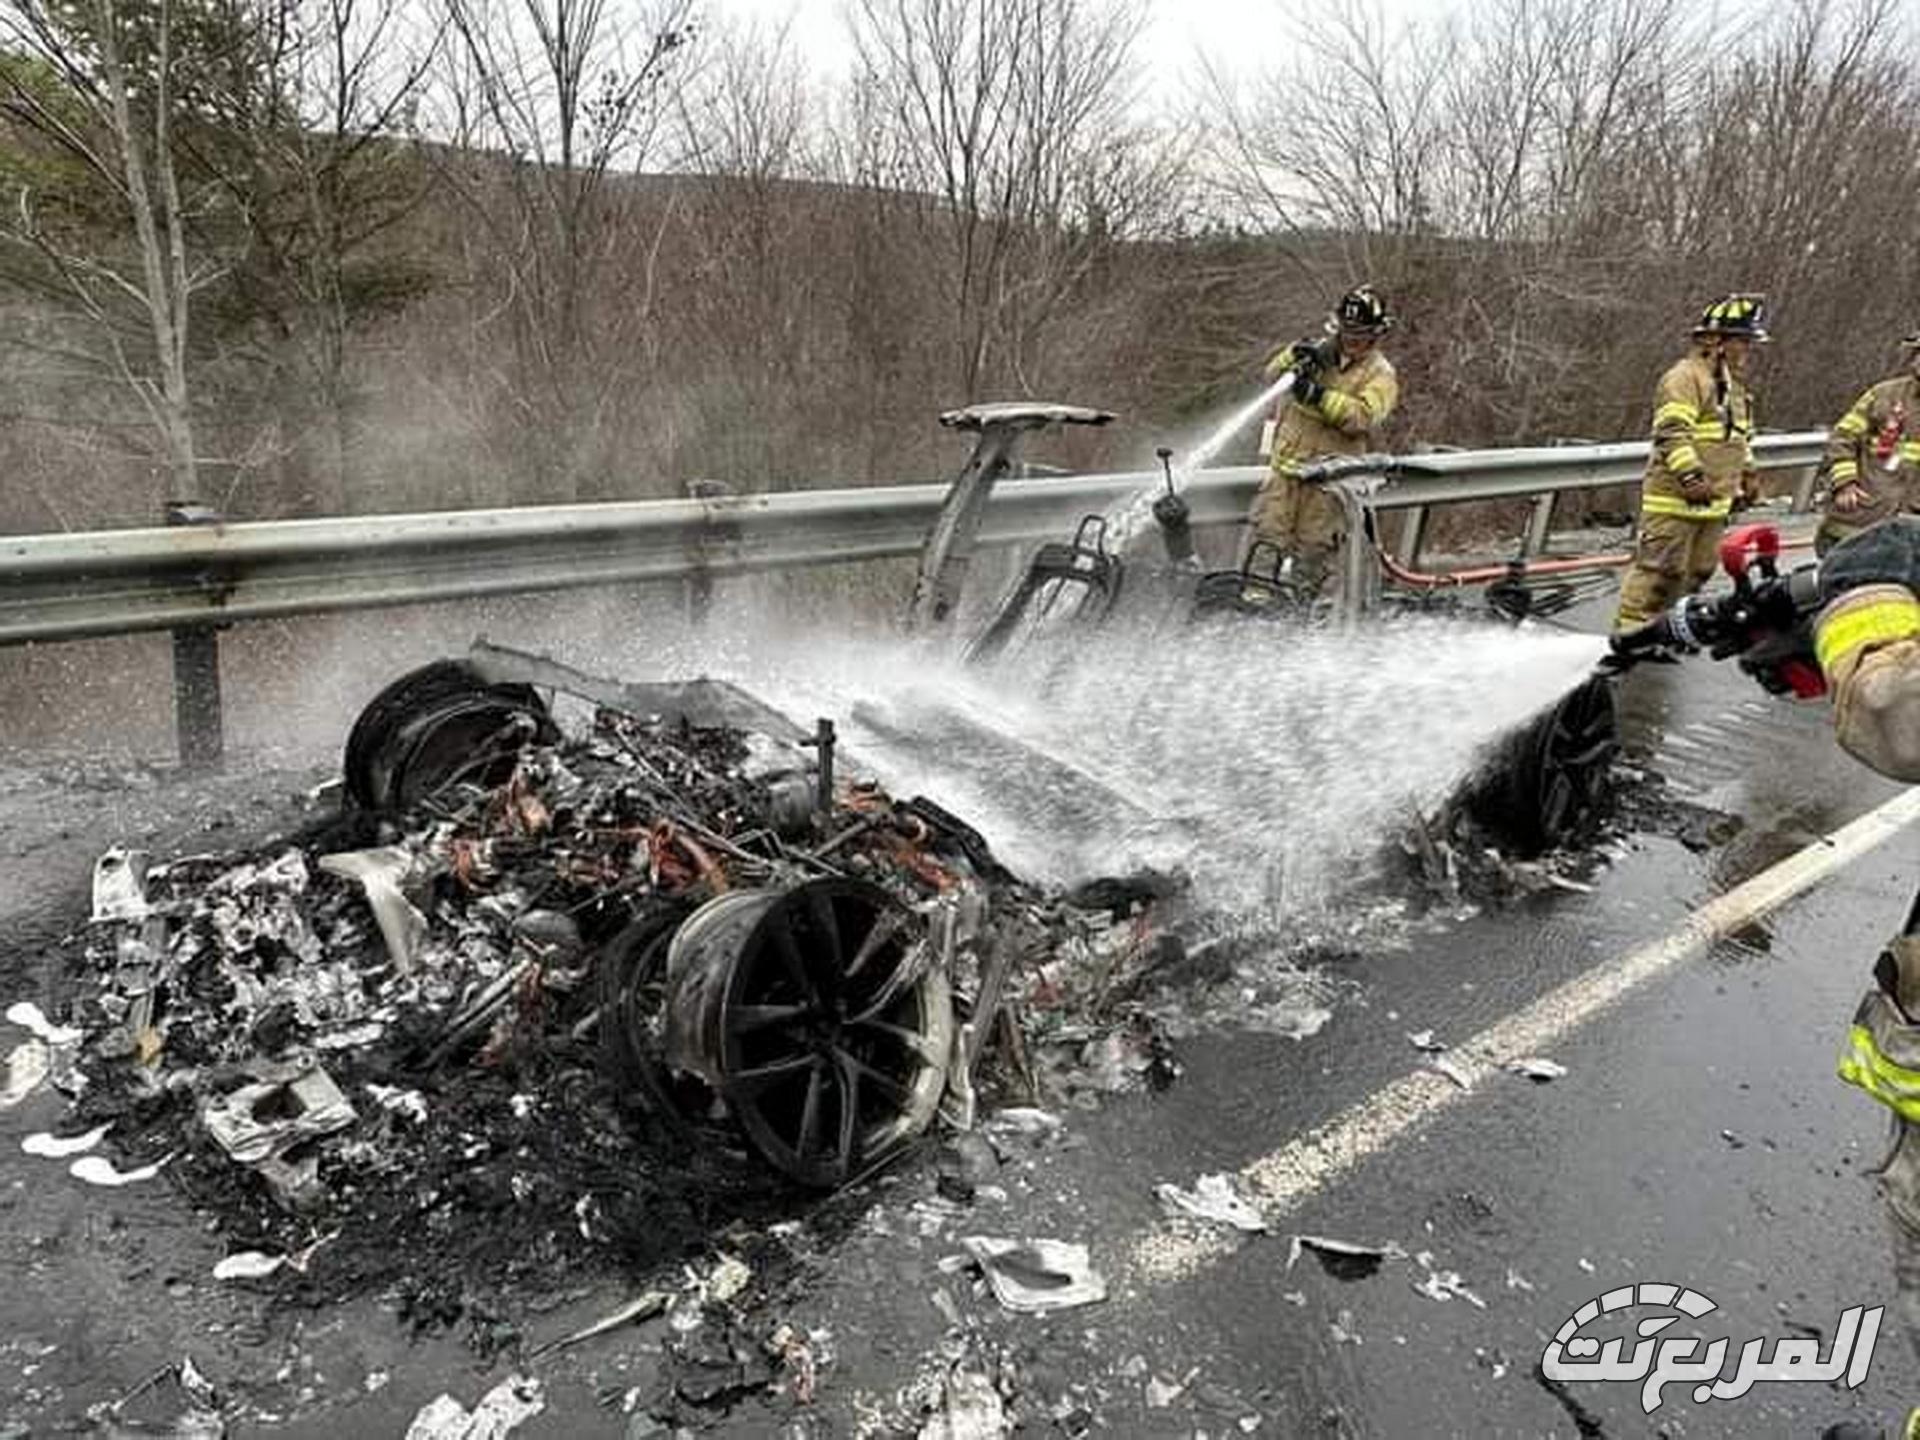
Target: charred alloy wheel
(1550,778)
(435,725)
(815,1015)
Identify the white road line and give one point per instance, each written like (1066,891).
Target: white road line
(1283,1180)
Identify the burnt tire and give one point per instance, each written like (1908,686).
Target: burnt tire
(1550,780)
(632,973)
(436,724)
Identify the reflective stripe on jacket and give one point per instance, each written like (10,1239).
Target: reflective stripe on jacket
(1876,445)
(1882,1055)
(1702,422)
(1344,420)
(1868,646)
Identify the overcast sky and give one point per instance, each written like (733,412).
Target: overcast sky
(1243,34)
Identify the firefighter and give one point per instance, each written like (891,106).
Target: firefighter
(1866,640)
(1343,391)
(1701,462)
(1873,454)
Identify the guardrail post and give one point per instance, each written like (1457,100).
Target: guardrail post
(699,582)
(1357,567)
(1540,523)
(1413,535)
(197,719)
(1803,489)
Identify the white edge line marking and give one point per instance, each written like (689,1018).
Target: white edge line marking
(1282,1181)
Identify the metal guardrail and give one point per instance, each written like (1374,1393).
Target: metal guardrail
(73,586)
(189,578)
(108,582)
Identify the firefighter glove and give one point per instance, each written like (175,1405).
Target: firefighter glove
(1695,487)
(1886,554)
(1783,660)
(1306,389)
(1306,358)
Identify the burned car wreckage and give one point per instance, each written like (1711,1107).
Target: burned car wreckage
(701,900)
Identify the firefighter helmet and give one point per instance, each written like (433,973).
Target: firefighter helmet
(1736,317)
(1362,312)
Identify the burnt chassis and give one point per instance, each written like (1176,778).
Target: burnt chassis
(1537,787)
(815,1008)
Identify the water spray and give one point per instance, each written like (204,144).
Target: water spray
(1127,518)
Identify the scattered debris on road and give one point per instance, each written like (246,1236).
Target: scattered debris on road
(500,1412)
(1031,1276)
(61,1147)
(1343,1259)
(1537,1069)
(1215,1199)
(99,1170)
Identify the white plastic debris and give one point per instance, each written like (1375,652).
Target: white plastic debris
(98,1170)
(1537,1069)
(398,1101)
(503,1409)
(1290,1020)
(974,1410)
(31,1018)
(248,1265)
(1453,1070)
(303,1102)
(1445,1285)
(265,1125)
(58,1147)
(1162,1393)
(1350,1258)
(27,1066)
(381,874)
(652,1303)
(1032,1276)
(120,885)
(728,1279)
(1215,1199)
(1024,1120)
(1423,1040)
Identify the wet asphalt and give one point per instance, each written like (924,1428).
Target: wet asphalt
(1699,1138)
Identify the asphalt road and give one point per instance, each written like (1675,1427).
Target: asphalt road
(1698,1138)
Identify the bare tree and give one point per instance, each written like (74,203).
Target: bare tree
(312,152)
(97,87)
(1012,120)
(555,104)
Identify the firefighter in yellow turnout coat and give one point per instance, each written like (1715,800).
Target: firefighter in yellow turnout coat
(1873,456)
(1701,462)
(1343,391)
